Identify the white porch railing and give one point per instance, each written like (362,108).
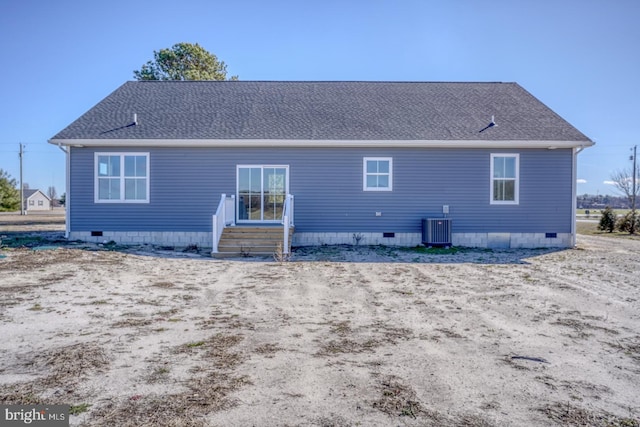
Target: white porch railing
(287,221)
(225,215)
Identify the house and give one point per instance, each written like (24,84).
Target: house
(36,200)
(180,163)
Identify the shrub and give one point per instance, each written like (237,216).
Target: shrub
(607,220)
(624,223)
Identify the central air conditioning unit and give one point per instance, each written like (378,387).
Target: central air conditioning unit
(436,231)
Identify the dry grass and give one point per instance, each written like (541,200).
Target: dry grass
(131,323)
(569,415)
(268,349)
(628,346)
(590,228)
(24,259)
(189,408)
(397,399)
(208,390)
(219,319)
(361,339)
(580,327)
(69,364)
(65,367)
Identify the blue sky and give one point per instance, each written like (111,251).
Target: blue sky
(579,57)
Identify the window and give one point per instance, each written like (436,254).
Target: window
(40,203)
(122,178)
(505,179)
(378,174)
(32,203)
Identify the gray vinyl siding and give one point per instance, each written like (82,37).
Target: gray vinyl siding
(186,184)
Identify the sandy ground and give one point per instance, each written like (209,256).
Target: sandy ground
(338,336)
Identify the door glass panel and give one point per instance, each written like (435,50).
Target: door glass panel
(249,194)
(274,192)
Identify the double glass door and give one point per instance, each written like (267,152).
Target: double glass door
(261,192)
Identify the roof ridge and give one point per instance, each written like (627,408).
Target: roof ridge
(322,81)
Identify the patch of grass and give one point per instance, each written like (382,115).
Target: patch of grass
(402,292)
(581,327)
(79,409)
(167,313)
(567,414)
(341,328)
(21,394)
(589,228)
(70,363)
(22,241)
(629,346)
(268,349)
(218,319)
(449,333)
(384,250)
(437,250)
(195,344)
(64,368)
(397,399)
(203,395)
(131,323)
(163,285)
(159,374)
(346,345)
(36,307)
(595,213)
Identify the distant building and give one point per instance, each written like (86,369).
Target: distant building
(36,200)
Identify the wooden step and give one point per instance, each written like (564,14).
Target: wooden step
(250,241)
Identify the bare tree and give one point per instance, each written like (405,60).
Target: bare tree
(51,192)
(624,183)
(627,184)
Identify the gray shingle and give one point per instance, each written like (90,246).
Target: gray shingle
(321,111)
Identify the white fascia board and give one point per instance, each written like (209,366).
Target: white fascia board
(318,143)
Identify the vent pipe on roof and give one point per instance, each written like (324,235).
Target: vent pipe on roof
(135,119)
(492,124)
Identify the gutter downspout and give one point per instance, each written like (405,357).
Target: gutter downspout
(67,205)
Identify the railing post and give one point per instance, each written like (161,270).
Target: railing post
(214,246)
(216,227)
(233,219)
(285,242)
(223,213)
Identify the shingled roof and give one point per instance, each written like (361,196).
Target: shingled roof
(308,111)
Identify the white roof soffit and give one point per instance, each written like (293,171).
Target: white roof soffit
(242,143)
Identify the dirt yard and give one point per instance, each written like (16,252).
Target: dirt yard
(337,336)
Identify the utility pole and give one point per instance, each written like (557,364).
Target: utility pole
(634,192)
(21,186)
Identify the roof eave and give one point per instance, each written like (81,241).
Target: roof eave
(289,143)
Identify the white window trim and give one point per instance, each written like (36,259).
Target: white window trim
(122,177)
(365,174)
(516,197)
